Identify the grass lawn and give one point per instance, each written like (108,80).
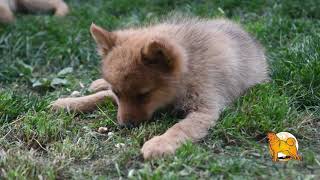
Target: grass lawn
(43,58)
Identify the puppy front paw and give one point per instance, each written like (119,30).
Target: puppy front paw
(99,85)
(158,146)
(63,104)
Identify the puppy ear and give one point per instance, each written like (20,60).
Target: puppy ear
(270,134)
(159,54)
(105,40)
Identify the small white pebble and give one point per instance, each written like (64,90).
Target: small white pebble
(102,130)
(40,177)
(2,153)
(131,173)
(120,145)
(75,94)
(110,134)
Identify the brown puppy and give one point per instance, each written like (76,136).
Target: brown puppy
(197,66)
(8,7)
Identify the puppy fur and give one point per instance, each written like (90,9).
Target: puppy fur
(197,66)
(8,7)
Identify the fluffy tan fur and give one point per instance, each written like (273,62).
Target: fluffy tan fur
(8,7)
(196,66)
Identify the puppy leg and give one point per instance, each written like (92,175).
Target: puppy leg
(294,154)
(275,156)
(193,128)
(6,14)
(83,104)
(99,85)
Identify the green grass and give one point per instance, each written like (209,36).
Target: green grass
(36,143)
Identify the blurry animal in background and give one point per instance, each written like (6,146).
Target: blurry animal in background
(8,7)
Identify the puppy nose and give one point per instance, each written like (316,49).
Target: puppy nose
(127,124)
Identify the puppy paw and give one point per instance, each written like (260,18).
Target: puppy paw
(62,9)
(99,85)
(158,146)
(63,104)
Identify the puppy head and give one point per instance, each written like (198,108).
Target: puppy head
(272,136)
(143,70)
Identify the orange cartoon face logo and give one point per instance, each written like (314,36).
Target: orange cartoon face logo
(283,146)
